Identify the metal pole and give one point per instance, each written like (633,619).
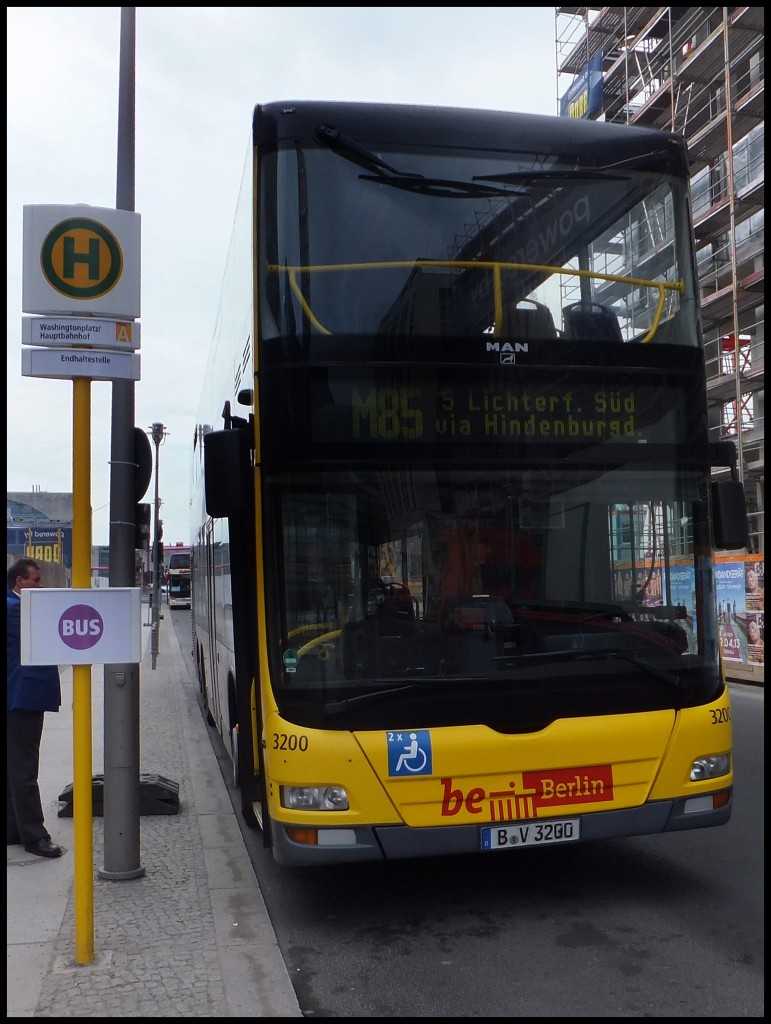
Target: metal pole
(732,242)
(121,792)
(158,433)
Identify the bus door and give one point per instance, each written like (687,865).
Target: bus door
(212,683)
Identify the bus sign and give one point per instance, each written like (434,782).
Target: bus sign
(79,331)
(66,626)
(68,363)
(81,260)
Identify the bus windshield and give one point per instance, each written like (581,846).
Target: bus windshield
(411,239)
(418,576)
(179,560)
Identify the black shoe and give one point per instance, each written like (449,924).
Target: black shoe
(13,842)
(43,848)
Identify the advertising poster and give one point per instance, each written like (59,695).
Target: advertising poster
(731,611)
(682,581)
(755,638)
(649,584)
(754,596)
(741,608)
(754,583)
(50,543)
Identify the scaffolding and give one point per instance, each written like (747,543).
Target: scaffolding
(699,71)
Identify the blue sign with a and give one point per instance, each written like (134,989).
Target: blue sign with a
(409,752)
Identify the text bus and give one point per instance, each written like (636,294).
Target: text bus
(453,517)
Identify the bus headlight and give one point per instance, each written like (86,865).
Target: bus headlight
(710,767)
(314,798)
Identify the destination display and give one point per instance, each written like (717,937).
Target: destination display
(351,410)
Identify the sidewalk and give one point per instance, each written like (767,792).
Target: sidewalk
(192,937)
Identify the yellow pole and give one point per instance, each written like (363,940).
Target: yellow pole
(82,797)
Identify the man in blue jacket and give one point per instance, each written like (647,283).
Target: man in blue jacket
(32,690)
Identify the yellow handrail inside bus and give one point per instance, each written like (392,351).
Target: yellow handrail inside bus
(495,266)
(309,627)
(317,641)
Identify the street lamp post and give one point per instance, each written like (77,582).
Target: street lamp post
(158,433)
(121,681)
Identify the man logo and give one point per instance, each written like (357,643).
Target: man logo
(81,258)
(507,352)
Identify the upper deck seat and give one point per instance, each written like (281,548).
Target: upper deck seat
(527,320)
(591,321)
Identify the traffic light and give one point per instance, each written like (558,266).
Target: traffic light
(142,526)
(143,457)
(158,552)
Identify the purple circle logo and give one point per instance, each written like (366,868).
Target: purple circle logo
(81,626)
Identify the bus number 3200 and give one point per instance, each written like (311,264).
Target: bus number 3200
(282,741)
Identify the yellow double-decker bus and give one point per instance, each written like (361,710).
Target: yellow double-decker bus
(454,508)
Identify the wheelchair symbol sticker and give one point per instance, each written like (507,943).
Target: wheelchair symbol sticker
(409,752)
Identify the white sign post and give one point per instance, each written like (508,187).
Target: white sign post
(80,330)
(81,270)
(71,626)
(81,261)
(68,363)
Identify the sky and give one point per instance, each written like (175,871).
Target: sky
(199,73)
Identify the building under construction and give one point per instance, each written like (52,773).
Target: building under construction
(696,71)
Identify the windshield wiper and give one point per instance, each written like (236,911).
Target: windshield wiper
(328,135)
(578,612)
(641,663)
(534,177)
(443,187)
(523,658)
(645,666)
(385,173)
(334,707)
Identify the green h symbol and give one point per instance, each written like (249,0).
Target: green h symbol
(91,258)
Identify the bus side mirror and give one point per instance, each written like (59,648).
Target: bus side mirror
(729,514)
(729,505)
(226,470)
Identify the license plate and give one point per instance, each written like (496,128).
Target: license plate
(530,833)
